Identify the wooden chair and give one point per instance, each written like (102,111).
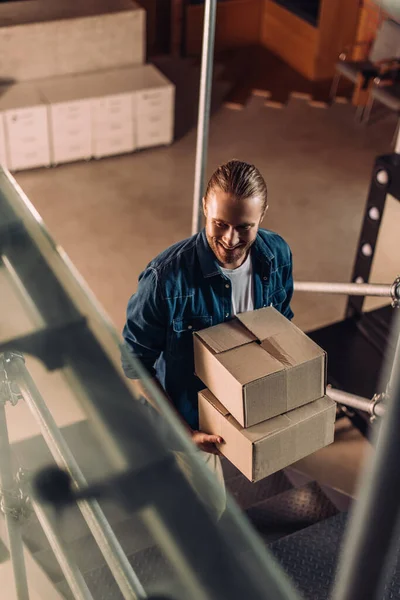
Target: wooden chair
(386,90)
(362,73)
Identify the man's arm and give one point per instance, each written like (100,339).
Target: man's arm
(145,328)
(145,338)
(287,281)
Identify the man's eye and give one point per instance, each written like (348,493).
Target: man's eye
(245,227)
(218,224)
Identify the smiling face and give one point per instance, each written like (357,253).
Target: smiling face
(231,225)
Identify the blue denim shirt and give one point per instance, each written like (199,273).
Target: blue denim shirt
(183,290)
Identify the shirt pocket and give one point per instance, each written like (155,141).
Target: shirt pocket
(181,339)
(277,299)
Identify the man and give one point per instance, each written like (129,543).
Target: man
(230,267)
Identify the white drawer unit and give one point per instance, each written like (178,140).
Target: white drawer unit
(115,143)
(70,131)
(113,124)
(28,156)
(154,108)
(72,146)
(26,127)
(25,123)
(116,108)
(154,101)
(70,117)
(3,158)
(154,130)
(67,116)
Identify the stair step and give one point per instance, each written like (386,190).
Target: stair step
(309,557)
(72,525)
(290,511)
(33,453)
(132,535)
(154,571)
(246,493)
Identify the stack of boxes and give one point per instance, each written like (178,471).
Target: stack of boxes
(105,102)
(266,398)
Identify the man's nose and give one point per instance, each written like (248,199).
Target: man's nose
(231,237)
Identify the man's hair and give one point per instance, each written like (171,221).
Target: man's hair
(240,179)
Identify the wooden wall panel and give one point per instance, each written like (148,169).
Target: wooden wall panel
(291,38)
(238,24)
(371,16)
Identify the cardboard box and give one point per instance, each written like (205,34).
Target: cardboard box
(263,449)
(259,365)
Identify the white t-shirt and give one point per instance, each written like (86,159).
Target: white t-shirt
(242,286)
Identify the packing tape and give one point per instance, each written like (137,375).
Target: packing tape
(272,346)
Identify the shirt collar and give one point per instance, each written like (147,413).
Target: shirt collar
(207,259)
(208,262)
(261,250)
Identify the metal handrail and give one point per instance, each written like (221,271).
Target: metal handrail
(124,575)
(13,528)
(72,574)
(374,407)
(390,290)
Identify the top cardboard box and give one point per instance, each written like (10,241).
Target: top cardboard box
(259,365)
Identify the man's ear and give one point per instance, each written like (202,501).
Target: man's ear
(204,206)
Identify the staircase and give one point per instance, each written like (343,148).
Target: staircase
(279,507)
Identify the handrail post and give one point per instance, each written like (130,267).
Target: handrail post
(7,483)
(203,123)
(373,525)
(124,575)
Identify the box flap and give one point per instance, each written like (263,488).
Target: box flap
(284,340)
(264,322)
(294,346)
(249,363)
(225,336)
(215,403)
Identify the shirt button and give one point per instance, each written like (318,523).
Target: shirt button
(190,326)
(227,285)
(227,315)
(265,278)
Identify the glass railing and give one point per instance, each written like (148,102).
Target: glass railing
(132,511)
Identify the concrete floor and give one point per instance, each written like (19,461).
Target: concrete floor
(113,216)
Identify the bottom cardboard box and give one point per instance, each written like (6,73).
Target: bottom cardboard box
(267,447)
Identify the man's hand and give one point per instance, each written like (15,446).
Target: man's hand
(206,442)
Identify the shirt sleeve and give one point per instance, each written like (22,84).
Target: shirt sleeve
(145,328)
(287,280)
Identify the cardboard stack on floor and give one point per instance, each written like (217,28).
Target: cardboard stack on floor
(73,83)
(266,385)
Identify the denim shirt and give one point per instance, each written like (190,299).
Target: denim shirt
(183,290)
